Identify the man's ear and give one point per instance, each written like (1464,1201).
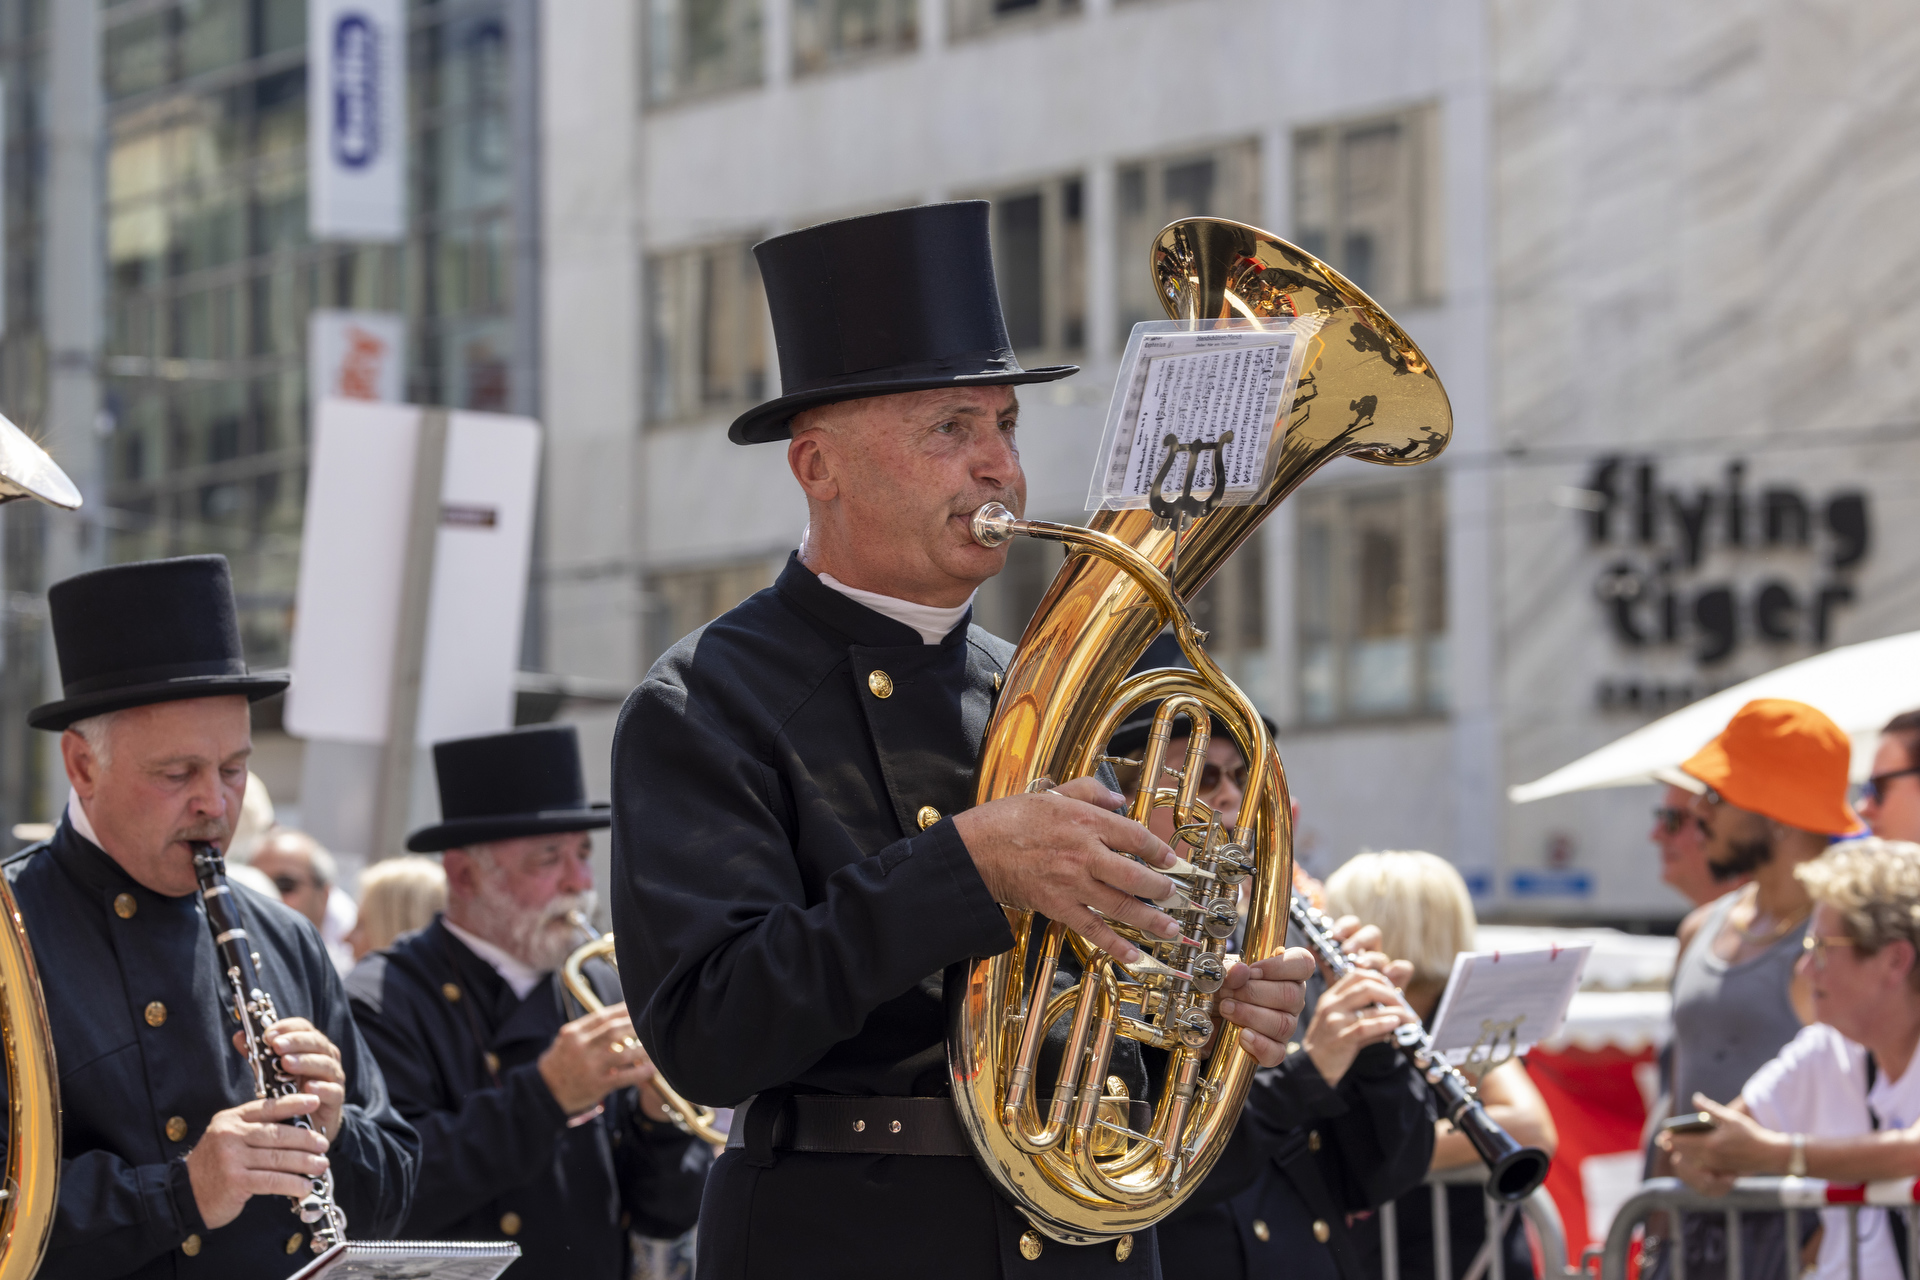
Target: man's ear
(83,769)
(1900,959)
(461,879)
(810,455)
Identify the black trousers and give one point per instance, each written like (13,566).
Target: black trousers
(846,1217)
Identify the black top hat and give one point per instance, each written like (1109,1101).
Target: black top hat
(523,783)
(1133,731)
(155,631)
(896,301)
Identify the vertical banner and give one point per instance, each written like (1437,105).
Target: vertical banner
(357,355)
(348,601)
(356,120)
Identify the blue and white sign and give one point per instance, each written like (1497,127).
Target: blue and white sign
(356,120)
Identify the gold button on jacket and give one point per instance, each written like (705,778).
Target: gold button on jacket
(450,991)
(1261,1231)
(1123,1248)
(294,1242)
(881,684)
(510,1223)
(156,1014)
(124,906)
(1320,1230)
(927,816)
(176,1128)
(191,1246)
(1030,1245)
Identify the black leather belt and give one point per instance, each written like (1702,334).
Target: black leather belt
(846,1125)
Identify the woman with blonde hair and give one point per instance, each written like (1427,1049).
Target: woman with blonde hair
(397,895)
(1425,916)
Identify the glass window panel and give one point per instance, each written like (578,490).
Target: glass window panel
(1361,202)
(827,32)
(138,55)
(706,332)
(1223,183)
(213,34)
(680,603)
(1017,263)
(976,17)
(1372,641)
(701,46)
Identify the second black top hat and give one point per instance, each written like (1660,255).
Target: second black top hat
(156,631)
(526,782)
(873,306)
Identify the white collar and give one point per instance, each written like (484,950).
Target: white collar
(516,973)
(932,622)
(77,818)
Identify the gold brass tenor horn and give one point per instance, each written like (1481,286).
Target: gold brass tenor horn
(688,1117)
(1364,391)
(26,1041)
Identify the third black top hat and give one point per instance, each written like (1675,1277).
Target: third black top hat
(891,302)
(155,631)
(526,782)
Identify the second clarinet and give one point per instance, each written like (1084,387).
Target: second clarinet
(1514,1172)
(253,1008)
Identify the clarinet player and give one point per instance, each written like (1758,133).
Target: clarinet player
(170,1166)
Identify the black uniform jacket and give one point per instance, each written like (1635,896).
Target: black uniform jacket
(141,1028)
(784,919)
(1318,1154)
(497,1158)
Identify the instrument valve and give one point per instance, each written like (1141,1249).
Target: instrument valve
(1222,917)
(1193,1027)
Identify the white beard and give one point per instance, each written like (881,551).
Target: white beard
(539,937)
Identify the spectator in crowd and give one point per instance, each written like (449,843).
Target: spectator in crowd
(307,879)
(1683,854)
(397,896)
(1773,796)
(1425,914)
(1342,1125)
(1890,800)
(1841,1101)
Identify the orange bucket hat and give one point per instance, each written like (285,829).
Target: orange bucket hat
(1783,760)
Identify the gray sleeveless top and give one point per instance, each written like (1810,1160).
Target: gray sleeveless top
(1728,1019)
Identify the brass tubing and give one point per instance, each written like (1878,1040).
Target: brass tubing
(690,1118)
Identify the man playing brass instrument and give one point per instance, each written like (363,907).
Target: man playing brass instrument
(170,1166)
(535,1125)
(795,860)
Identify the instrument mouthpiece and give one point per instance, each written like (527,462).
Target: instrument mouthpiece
(994,525)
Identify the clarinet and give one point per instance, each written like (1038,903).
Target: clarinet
(1514,1172)
(253,1008)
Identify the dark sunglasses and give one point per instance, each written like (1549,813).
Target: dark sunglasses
(1671,819)
(1875,788)
(287,884)
(1210,776)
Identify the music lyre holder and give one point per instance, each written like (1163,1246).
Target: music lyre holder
(1486,1053)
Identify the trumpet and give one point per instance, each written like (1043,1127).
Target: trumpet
(253,1008)
(1514,1172)
(690,1118)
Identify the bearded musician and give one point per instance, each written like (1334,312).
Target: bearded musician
(796,865)
(169,1165)
(538,1122)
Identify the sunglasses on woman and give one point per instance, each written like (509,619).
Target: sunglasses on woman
(1874,789)
(1211,775)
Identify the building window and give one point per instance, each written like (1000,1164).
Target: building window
(706,332)
(1223,183)
(1040,265)
(1232,608)
(1372,602)
(681,602)
(1366,199)
(701,46)
(978,17)
(827,33)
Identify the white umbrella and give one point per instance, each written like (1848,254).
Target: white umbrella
(1862,686)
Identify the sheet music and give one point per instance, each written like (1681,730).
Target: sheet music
(1520,997)
(411,1260)
(1196,385)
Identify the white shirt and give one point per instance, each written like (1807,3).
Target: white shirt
(931,622)
(78,820)
(1817,1085)
(515,973)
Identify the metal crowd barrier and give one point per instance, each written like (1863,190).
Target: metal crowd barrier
(1490,1263)
(1792,1196)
